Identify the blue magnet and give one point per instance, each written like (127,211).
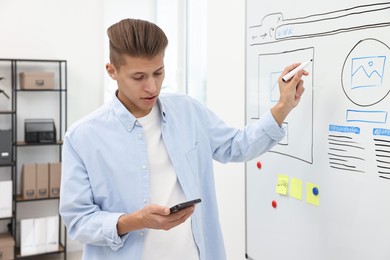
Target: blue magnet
(315,191)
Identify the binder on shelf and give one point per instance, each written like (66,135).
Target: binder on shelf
(27,246)
(52,233)
(42,188)
(54,179)
(40,235)
(29,176)
(5,199)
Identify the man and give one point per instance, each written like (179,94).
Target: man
(125,164)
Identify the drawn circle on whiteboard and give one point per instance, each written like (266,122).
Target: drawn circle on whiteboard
(363,76)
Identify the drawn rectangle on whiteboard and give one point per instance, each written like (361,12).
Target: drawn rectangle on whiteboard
(379,117)
(367,71)
(298,142)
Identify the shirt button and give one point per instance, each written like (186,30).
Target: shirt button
(145,201)
(141,234)
(144,167)
(139,136)
(129,128)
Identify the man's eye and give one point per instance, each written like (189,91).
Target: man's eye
(138,77)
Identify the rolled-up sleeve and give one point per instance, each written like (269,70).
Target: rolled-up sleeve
(233,145)
(85,221)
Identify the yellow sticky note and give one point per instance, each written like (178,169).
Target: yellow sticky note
(282,184)
(312,194)
(296,188)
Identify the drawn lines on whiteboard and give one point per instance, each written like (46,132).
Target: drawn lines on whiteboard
(274,88)
(382,151)
(364,78)
(367,71)
(298,140)
(345,154)
(274,27)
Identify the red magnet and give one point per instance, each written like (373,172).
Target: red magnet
(274,204)
(258,165)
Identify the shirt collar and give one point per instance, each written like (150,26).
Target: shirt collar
(162,109)
(127,119)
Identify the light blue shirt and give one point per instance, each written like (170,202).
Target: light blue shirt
(105,171)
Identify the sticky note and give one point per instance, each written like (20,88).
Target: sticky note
(282,184)
(296,188)
(310,196)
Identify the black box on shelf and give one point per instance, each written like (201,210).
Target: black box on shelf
(5,147)
(39,131)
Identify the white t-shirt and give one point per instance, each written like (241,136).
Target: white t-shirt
(177,243)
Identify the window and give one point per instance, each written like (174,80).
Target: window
(185,24)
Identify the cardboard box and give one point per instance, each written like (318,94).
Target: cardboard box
(29,176)
(42,187)
(54,179)
(5,147)
(5,199)
(36,80)
(7,244)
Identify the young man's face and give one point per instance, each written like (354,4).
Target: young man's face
(139,82)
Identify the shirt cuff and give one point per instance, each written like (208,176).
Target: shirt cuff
(110,231)
(271,127)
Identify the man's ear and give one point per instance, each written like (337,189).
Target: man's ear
(111,70)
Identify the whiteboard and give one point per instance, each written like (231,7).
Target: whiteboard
(330,176)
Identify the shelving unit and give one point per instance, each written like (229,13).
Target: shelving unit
(35,103)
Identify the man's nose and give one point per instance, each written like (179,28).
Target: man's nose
(150,85)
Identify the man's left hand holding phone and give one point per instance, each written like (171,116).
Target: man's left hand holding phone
(155,217)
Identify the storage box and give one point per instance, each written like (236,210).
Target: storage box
(5,199)
(29,176)
(36,80)
(54,179)
(5,147)
(42,180)
(7,244)
(39,131)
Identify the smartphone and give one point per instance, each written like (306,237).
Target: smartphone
(184,205)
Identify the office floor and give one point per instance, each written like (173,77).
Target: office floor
(76,255)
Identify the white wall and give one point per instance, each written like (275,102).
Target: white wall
(53,29)
(226,97)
